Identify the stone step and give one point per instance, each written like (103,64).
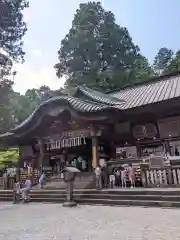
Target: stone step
(172,198)
(108,202)
(117,197)
(143,203)
(119,192)
(102,197)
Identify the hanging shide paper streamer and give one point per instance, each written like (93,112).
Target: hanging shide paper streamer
(66,143)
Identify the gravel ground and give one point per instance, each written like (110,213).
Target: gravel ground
(52,221)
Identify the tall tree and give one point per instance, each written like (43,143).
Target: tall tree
(20,107)
(38,95)
(162,60)
(17,107)
(96,49)
(5,115)
(174,64)
(12,29)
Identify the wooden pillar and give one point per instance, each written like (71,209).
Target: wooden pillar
(18,165)
(95,157)
(41,156)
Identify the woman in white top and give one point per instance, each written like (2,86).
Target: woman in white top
(123,177)
(112,180)
(26,190)
(98,177)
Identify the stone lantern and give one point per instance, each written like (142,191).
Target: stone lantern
(69,177)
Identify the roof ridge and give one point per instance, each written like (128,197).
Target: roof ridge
(99,97)
(151,80)
(151,92)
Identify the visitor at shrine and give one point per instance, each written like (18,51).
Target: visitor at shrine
(118,178)
(84,165)
(177,151)
(42,180)
(131,175)
(62,164)
(5,180)
(98,177)
(26,190)
(29,169)
(123,177)
(104,173)
(112,180)
(79,163)
(74,162)
(16,192)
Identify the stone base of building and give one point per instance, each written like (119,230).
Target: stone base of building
(69,204)
(82,181)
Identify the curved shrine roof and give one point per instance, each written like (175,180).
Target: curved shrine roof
(93,102)
(90,101)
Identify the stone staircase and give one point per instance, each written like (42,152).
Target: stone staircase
(82,181)
(113,197)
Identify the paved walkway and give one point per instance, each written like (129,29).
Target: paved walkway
(53,222)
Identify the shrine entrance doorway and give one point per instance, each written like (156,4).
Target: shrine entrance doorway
(79,156)
(68,141)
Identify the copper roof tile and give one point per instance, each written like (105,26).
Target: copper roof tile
(148,93)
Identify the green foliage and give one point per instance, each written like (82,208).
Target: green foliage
(97,50)
(5,106)
(18,107)
(38,95)
(162,60)
(174,64)
(8,156)
(12,29)
(166,61)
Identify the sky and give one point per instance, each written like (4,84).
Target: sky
(151,24)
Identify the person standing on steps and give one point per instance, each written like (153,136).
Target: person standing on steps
(131,175)
(5,180)
(26,190)
(16,192)
(42,180)
(123,177)
(98,177)
(104,176)
(118,178)
(112,180)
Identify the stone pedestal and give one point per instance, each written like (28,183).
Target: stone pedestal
(70,204)
(69,199)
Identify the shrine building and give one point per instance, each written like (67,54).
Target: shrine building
(127,124)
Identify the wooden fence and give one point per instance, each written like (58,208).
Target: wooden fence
(160,177)
(9,185)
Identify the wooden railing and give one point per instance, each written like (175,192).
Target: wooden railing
(9,184)
(160,177)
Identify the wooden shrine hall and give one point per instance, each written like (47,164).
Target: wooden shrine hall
(127,123)
(62,125)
